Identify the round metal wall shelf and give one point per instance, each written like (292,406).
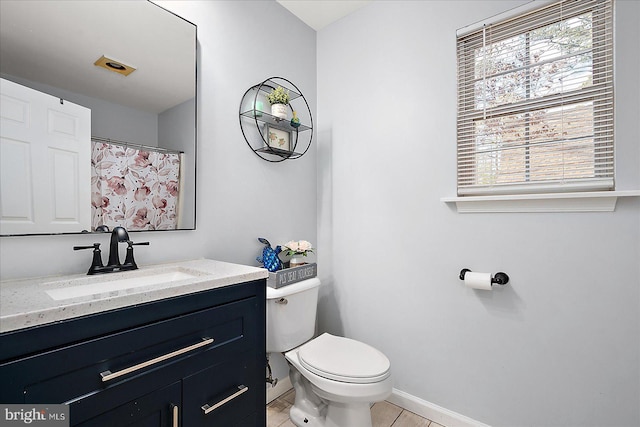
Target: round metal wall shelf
(271,138)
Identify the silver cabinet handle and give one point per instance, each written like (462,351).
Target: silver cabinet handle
(107,375)
(174,415)
(206,408)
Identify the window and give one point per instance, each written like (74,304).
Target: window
(535,102)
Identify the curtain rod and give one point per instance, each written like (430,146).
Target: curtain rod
(135,145)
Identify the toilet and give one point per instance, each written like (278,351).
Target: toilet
(336,379)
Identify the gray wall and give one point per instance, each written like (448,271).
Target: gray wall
(176,130)
(559,345)
(239,197)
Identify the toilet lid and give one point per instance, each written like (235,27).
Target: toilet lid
(344,359)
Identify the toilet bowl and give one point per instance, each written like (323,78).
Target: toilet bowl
(335,378)
(346,374)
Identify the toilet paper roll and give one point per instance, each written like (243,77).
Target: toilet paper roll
(478,280)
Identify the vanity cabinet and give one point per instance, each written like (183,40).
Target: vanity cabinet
(191,360)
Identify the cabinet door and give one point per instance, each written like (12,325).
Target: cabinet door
(223,395)
(157,409)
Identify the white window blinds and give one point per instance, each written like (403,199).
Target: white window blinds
(535,102)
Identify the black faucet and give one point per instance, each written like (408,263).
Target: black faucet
(118,235)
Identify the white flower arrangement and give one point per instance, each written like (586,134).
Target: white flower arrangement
(300,247)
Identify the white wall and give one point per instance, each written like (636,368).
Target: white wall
(559,345)
(239,196)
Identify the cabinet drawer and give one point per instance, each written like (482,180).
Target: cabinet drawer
(174,346)
(222,395)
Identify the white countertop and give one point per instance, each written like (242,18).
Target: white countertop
(26,302)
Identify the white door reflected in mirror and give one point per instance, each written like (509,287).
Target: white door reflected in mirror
(45,163)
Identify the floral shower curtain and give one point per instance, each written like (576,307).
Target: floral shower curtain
(134,188)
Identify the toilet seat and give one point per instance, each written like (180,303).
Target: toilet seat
(343,359)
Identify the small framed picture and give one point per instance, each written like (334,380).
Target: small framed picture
(278,138)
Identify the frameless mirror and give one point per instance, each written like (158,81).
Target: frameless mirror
(126,156)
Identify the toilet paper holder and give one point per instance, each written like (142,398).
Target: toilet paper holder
(499,278)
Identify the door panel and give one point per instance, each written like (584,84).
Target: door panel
(43,140)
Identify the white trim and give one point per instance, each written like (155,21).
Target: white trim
(590,185)
(431,411)
(283,386)
(588,201)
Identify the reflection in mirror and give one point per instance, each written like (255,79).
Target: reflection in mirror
(98,117)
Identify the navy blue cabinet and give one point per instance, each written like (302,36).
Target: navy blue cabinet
(192,360)
(158,408)
(221,392)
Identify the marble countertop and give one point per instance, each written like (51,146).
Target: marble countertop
(30,302)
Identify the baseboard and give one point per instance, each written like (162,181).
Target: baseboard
(431,411)
(283,386)
(400,398)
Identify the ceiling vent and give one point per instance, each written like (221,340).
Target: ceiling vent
(115,66)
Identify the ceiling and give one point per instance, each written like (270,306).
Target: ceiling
(319,13)
(57,42)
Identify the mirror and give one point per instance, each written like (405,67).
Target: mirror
(142,125)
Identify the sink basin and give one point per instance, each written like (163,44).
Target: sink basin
(116,283)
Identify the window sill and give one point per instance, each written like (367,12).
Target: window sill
(598,201)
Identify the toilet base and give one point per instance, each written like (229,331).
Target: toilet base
(338,415)
(309,410)
(352,414)
(302,419)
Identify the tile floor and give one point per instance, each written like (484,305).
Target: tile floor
(383,414)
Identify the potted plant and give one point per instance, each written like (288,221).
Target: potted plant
(297,250)
(279,99)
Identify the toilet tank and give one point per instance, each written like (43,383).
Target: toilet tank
(291,315)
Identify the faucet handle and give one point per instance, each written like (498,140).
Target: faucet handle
(96,262)
(129,262)
(95,246)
